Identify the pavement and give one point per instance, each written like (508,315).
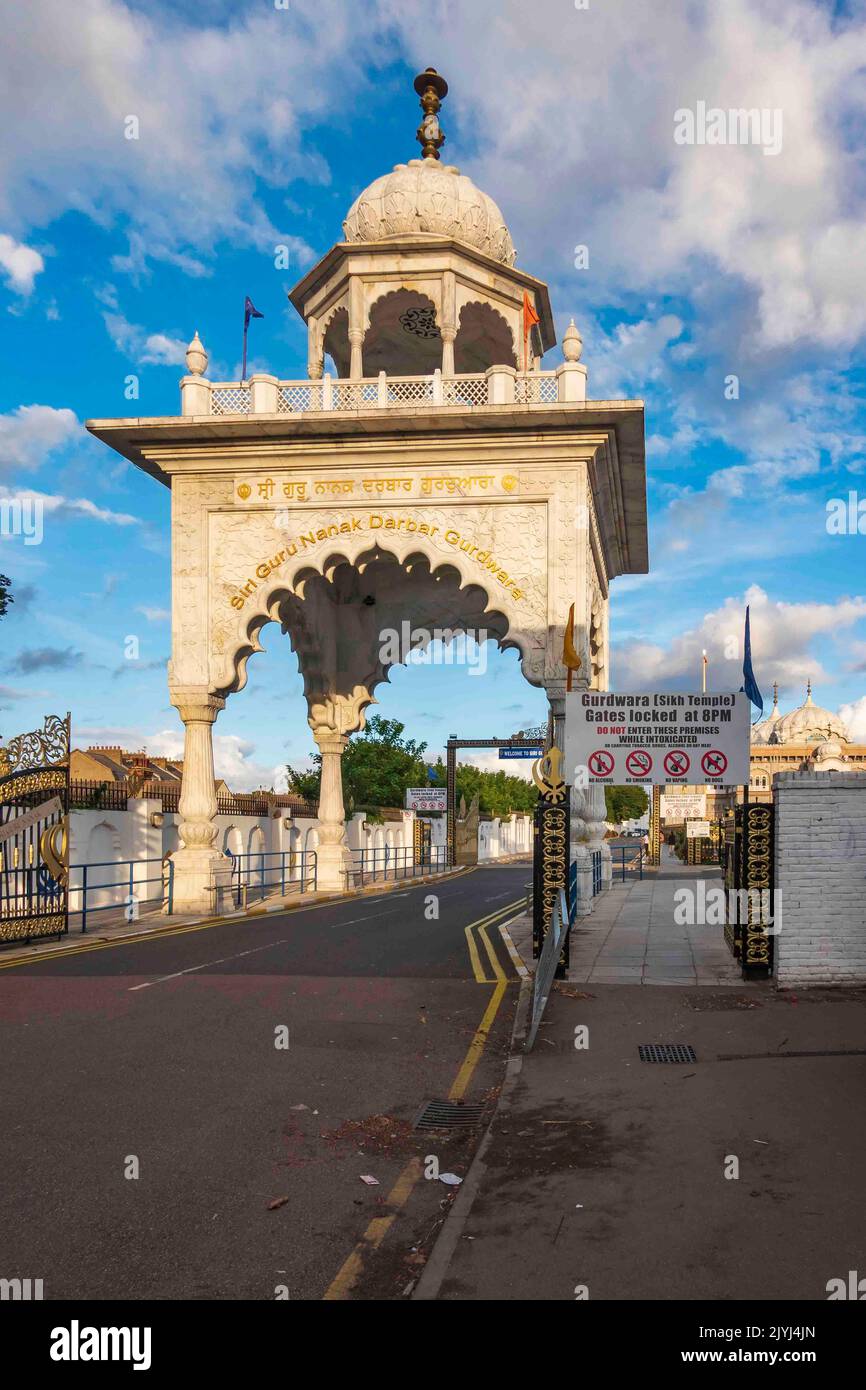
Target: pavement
(606,1177)
(632,935)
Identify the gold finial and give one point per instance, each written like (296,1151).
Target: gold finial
(808,692)
(775,694)
(431,88)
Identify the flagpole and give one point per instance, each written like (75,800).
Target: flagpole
(704,671)
(246,329)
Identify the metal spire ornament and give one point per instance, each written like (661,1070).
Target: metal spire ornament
(431,88)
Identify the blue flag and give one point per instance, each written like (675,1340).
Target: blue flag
(750,685)
(431,774)
(250,312)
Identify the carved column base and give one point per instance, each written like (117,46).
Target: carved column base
(202,882)
(334,866)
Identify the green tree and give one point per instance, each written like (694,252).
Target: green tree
(5,596)
(377,766)
(625,803)
(380,763)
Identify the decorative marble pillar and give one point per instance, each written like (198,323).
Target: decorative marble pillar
(448,325)
(356,329)
(202,875)
(333,859)
(315,349)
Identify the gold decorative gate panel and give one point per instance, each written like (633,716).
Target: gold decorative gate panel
(34,833)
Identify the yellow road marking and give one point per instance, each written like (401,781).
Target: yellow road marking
(375,1232)
(476,1047)
(482,924)
(352,1268)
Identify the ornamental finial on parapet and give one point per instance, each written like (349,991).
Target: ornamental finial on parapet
(572,343)
(196,357)
(431,88)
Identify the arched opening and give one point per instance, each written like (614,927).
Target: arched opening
(483,340)
(335,343)
(403,337)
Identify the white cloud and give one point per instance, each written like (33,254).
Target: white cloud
(233,756)
(145,348)
(32,432)
(782,634)
(64,507)
(20,264)
(217,108)
(854,715)
(155,615)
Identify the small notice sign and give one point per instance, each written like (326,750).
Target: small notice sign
(426,799)
(658,738)
(697,829)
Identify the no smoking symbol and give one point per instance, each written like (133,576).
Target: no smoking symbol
(601,763)
(714,763)
(639,763)
(677,762)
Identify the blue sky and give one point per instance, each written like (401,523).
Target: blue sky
(258,127)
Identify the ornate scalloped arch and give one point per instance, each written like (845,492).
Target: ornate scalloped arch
(283,589)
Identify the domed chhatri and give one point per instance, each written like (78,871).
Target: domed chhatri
(810,724)
(426,279)
(424,198)
(761,732)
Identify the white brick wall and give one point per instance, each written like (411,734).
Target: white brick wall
(821,872)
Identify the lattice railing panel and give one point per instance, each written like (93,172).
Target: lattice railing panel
(464,390)
(299,397)
(415,391)
(355,395)
(231,400)
(536,389)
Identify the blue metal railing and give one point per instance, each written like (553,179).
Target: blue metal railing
(262,871)
(389,861)
(596,872)
(631,859)
(127,887)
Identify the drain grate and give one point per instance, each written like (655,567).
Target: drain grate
(447,1114)
(667,1052)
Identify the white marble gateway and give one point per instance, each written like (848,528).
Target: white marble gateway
(428,470)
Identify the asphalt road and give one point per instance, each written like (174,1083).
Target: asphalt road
(160,1056)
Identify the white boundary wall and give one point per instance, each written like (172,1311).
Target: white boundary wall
(105,836)
(820,865)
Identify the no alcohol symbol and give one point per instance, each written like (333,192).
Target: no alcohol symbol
(714,763)
(601,763)
(677,762)
(639,763)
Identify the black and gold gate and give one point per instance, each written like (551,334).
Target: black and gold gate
(421,842)
(34,820)
(747,856)
(550,857)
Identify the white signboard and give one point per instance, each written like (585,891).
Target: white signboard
(426,799)
(697,829)
(32,817)
(679,806)
(659,738)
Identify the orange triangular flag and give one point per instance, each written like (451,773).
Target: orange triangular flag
(530,318)
(569,654)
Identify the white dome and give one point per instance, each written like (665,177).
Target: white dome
(809,724)
(424,197)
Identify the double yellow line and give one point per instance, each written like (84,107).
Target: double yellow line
(348,1276)
(481,927)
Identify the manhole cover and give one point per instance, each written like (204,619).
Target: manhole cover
(447,1114)
(667,1052)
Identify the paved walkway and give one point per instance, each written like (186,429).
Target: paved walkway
(632,936)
